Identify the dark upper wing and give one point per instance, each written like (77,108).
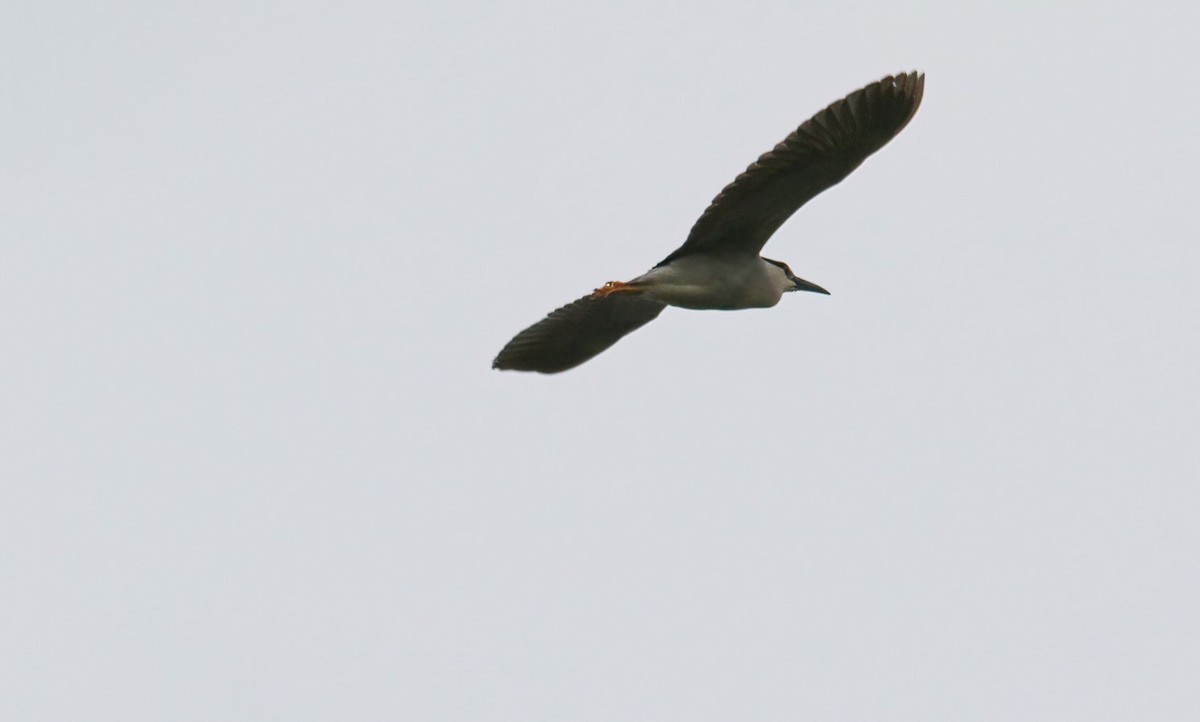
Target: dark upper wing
(819,154)
(576,332)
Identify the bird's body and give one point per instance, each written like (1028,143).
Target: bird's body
(695,282)
(719,266)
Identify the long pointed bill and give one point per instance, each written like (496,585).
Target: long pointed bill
(802,285)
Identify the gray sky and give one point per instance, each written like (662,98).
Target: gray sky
(256,258)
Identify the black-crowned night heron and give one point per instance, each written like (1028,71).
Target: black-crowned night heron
(718,267)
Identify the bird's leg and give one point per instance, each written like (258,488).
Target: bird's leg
(615,287)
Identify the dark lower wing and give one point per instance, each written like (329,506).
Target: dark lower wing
(576,332)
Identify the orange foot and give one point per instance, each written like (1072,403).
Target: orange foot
(614,287)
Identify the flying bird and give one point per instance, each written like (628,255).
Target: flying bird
(719,266)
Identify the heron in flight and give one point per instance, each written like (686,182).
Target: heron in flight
(719,266)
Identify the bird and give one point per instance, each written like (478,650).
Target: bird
(718,267)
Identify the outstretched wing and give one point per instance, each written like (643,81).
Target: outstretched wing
(576,332)
(819,154)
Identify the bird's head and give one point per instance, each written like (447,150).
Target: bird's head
(792,282)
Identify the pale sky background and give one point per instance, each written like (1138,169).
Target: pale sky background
(256,259)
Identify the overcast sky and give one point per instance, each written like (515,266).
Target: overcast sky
(256,259)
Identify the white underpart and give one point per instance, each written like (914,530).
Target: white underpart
(703,281)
